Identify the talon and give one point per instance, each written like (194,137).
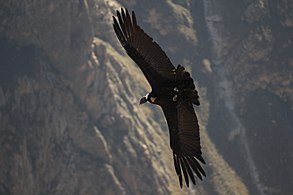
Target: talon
(175,98)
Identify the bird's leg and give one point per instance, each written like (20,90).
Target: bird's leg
(175,98)
(180,97)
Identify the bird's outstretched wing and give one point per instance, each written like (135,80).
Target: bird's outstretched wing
(146,53)
(184,140)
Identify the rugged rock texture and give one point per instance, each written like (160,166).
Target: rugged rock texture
(251,57)
(69,114)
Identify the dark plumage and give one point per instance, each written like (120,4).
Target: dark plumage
(172,89)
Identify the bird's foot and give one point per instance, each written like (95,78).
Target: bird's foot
(175,98)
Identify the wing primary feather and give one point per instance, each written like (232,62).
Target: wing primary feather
(121,38)
(194,168)
(125,23)
(200,168)
(121,22)
(189,170)
(134,19)
(200,158)
(180,181)
(184,172)
(176,164)
(178,169)
(118,31)
(129,23)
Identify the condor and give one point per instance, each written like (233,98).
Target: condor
(172,89)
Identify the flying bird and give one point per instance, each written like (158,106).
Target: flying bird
(172,89)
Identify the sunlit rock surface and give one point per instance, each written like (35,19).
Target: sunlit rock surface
(69,114)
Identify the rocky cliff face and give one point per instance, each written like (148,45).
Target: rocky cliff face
(250,53)
(69,114)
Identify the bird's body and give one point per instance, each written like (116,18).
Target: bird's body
(172,89)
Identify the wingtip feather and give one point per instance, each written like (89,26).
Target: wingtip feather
(134,19)
(191,176)
(200,168)
(194,167)
(184,172)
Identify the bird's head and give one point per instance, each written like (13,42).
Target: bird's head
(148,98)
(143,100)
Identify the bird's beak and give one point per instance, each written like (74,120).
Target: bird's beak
(143,100)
